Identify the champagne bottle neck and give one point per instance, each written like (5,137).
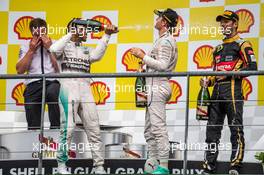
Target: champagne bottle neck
(89,23)
(140,64)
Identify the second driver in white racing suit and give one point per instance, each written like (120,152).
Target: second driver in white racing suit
(75,94)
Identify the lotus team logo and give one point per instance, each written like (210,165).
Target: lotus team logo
(246,20)
(103,20)
(176,92)
(130,61)
(21,27)
(17,94)
(101,92)
(246,88)
(179,27)
(203,57)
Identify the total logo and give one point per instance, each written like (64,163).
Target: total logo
(21,27)
(246,20)
(101,92)
(103,20)
(226,67)
(203,57)
(17,94)
(130,61)
(176,92)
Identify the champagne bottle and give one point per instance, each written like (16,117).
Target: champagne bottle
(203,102)
(140,89)
(92,24)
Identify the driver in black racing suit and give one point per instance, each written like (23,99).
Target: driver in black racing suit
(234,54)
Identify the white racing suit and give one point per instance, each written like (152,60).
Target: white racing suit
(76,96)
(161,58)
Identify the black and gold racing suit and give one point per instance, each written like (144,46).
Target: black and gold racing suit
(234,54)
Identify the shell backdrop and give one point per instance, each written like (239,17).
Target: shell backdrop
(196,34)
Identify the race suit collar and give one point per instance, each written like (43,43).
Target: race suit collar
(230,40)
(165,33)
(75,43)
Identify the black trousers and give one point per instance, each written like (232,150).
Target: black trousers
(227,99)
(33,96)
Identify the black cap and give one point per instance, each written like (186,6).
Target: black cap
(228,14)
(169,15)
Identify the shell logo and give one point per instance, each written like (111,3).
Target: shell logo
(130,61)
(203,57)
(179,27)
(176,92)
(101,92)
(246,20)
(246,88)
(103,20)
(21,27)
(17,94)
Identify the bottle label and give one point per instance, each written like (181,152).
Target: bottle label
(202,112)
(141,99)
(141,95)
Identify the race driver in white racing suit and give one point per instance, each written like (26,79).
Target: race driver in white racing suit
(161,58)
(75,94)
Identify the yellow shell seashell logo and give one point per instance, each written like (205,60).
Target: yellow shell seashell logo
(17,94)
(130,61)
(176,92)
(103,20)
(101,92)
(203,57)
(246,20)
(21,27)
(180,25)
(246,88)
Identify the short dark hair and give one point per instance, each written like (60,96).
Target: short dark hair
(37,22)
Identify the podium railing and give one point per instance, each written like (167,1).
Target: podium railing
(44,77)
